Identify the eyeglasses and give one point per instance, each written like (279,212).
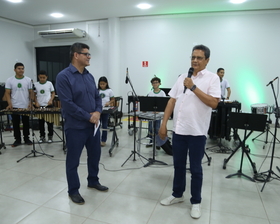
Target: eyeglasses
(86,54)
(197,58)
(155,82)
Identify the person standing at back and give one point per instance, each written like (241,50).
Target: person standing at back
(44,95)
(192,99)
(225,87)
(81,109)
(18,93)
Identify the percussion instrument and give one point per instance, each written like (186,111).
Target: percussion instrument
(51,115)
(259,108)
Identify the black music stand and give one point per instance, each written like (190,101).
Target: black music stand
(135,98)
(248,122)
(155,104)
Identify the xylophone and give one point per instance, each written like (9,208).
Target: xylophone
(51,115)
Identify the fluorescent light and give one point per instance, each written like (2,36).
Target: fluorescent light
(15,1)
(144,6)
(57,15)
(237,1)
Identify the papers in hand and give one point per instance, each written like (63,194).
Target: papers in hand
(96,126)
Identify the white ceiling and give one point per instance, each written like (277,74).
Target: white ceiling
(37,12)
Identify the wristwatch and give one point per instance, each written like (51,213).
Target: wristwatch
(193,88)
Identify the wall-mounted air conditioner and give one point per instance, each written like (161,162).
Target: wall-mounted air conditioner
(63,33)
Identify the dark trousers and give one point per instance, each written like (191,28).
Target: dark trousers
(193,146)
(16,123)
(42,128)
(76,139)
(104,123)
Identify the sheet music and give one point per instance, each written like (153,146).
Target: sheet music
(96,127)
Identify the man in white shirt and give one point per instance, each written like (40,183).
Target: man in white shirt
(192,112)
(225,87)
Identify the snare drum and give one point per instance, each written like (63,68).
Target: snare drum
(259,108)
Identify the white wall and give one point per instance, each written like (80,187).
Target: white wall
(246,44)
(16,46)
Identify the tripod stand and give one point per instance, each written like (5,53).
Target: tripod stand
(33,151)
(135,98)
(277,114)
(155,104)
(248,123)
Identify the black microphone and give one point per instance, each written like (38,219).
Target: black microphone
(189,75)
(272,81)
(126,78)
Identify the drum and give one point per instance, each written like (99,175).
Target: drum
(259,108)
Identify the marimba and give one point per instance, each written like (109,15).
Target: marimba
(51,115)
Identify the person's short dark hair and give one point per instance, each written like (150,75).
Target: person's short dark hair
(205,49)
(219,69)
(43,72)
(103,79)
(18,64)
(155,79)
(77,47)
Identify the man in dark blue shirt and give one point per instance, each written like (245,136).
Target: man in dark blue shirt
(81,109)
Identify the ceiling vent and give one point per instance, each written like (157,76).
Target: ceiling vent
(63,33)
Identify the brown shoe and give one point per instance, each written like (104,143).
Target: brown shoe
(103,144)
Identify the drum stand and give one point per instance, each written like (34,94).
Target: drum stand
(270,171)
(267,130)
(33,151)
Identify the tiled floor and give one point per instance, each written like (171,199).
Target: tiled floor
(34,190)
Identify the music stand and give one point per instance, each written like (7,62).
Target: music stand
(248,122)
(155,104)
(135,98)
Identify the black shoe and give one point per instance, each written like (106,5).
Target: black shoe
(16,143)
(77,198)
(99,187)
(149,145)
(28,142)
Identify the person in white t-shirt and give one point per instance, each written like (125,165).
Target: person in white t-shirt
(155,92)
(44,92)
(225,87)
(108,99)
(192,100)
(18,93)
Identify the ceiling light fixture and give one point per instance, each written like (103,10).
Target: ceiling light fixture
(144,6)
(15,1)
(57,15)
(237,1)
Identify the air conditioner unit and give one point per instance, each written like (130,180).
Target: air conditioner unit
(62,33)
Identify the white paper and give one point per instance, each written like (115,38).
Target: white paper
(96,127)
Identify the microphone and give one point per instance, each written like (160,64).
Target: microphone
(189,75)
(126,78)
(272,81)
